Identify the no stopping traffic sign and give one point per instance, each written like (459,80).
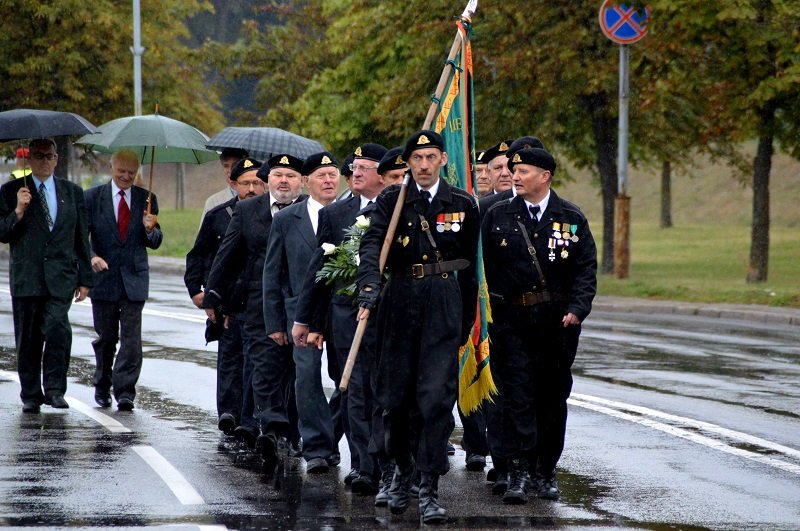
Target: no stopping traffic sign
(623,24)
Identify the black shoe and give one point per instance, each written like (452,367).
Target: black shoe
(491,475)
(125,404)
(517,491)
(316,465)
(102,398)
(334,459)
(295,450)
(501,484)
(451,450)
(476,462)
(387,472)
(57,401)
(245,435)
(548,488)
(353,474)
(271,447)
(364,485)
(227,423)
(430,511)
(30,407)
(399,491)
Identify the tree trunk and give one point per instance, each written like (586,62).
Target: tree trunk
(64,150)
(604,129)
(762,165)
(666,195)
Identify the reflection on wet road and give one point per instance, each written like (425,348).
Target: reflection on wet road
(675,422)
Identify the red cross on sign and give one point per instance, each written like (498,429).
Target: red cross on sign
(623,24)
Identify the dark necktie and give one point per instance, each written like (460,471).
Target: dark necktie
(370,202)
(281,206)
(43,200)
(426,195)
(123,216)
(534,213)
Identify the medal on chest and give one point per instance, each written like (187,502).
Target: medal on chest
(452,221)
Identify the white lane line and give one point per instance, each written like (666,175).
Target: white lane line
(212,527)
(191,318)
(178,484)
(689,436)
(712,428)
(10,376)
(104,420)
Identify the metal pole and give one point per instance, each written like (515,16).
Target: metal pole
(137,52)
(622,204)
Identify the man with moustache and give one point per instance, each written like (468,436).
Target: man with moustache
(291,244)
(539,300)
(121,230)
(325,313)
(43,219)
(425,314)
(234,390)
(241,256)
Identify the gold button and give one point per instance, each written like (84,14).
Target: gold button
(535,234)
(424,256)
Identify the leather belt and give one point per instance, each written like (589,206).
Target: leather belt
(437,268)
(531,298)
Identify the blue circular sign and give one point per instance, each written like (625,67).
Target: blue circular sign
(623,24)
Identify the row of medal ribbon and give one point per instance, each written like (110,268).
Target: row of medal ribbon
(450,221)
(563,234)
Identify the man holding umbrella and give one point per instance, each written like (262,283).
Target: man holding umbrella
(121,229)
(44,221)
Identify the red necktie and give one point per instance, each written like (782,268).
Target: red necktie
(123,216)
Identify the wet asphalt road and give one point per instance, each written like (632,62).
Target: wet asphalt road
(676,422)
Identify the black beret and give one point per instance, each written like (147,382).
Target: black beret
(284,160)
(345,169)
(393,160)
(318,160)
(423,139)
(480,157)
(522,143)
(233,153)
(369,151)
(496,150)
(535,157)
(243,166)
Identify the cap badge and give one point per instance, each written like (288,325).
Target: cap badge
(284,160)
(399,160)
(357,152)
(423,140)
(247,163)
(325,159)
(503,146)
(516,158)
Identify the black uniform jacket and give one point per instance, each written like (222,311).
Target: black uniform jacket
(564,247)
(206,244)
(411,246)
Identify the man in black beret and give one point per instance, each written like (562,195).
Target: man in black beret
(232,415)
(507,148)
(393,166)
(497,165)
(425,313)
(483,180)
(228,158)
(539,301)
(241,257)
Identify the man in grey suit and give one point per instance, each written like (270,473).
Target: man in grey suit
(292,242)
(120,230)
(44,220)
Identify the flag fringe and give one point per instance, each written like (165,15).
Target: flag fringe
(475,384)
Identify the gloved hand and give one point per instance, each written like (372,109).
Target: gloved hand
(368,296)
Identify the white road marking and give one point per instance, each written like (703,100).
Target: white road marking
(179,486)
(8,375)
(212,527)
(104,420)
(689,436)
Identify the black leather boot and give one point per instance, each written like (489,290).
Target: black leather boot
(387,473)
(430,511)
(399,497)
(518,478)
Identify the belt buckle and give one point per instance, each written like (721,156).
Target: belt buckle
(528,298)
(417,270)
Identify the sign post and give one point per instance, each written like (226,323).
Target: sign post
(623,25)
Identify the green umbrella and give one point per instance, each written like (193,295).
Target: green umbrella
(154,137)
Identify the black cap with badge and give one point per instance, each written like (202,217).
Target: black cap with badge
(243,166)
(421,140)
(393,160)
(538,157)
(369,151)
(284,160)
(318,160)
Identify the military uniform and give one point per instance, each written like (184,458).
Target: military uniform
(532,351)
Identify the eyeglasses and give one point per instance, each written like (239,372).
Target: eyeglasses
(363,169)
(42,156)
(248,184)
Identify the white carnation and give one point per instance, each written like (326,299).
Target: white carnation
(328,248)
(362,222)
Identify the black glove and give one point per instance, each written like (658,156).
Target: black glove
(368,296)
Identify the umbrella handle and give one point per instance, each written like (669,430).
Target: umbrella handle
(150,188)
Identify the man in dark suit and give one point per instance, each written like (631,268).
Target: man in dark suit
(44,220)
(241,256)
(318,300)
(234,391)
(292,241)
(121,230)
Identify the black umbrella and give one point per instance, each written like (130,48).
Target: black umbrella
(17,124)
(264,142)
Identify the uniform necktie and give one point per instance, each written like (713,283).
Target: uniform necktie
(370,202)
(281,206)
(123,216)
(426,194)
(534,212)
(45,207)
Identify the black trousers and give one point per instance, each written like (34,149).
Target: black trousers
(44,342)
(532,356)
(230,370)
(117,321)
